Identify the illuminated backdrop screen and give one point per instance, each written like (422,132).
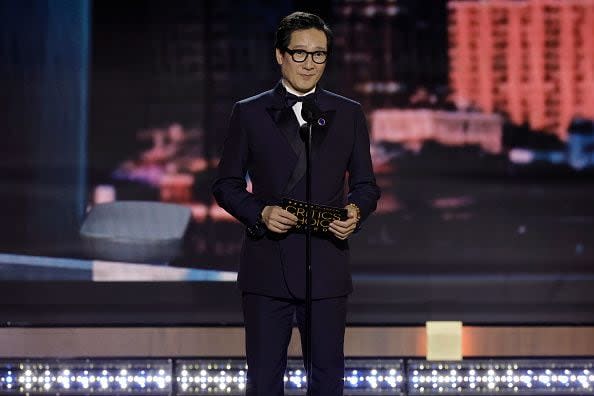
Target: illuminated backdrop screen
(482,137)
(481,131)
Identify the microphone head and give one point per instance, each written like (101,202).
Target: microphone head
(304,133)
(310,112)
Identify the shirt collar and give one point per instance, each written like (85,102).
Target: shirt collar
(293,91)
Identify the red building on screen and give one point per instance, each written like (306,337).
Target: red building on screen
(530,59)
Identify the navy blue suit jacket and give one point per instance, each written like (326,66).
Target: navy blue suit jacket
(263,141)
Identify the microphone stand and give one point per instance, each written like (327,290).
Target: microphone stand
(308,278)
(310,113)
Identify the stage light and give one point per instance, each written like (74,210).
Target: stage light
(85,376)
(212,376)
(501,377)
(362,377)
(385,375)
(368,376)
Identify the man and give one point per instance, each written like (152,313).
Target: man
(264,141)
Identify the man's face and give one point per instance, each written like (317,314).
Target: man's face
(305,75)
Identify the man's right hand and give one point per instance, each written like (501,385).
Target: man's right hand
(278,219)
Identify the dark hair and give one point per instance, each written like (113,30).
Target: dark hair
(300,21)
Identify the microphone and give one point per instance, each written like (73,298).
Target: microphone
(309,111)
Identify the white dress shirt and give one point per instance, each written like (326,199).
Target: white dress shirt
(299,105)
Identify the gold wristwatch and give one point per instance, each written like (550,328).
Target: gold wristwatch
(352,205)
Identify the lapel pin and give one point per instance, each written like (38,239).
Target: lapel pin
(321,122)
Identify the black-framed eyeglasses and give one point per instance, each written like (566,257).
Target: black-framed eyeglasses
(300,56)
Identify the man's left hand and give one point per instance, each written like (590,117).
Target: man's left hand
(343,229)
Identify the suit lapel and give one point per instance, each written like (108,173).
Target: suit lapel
(286,121)
(320,131)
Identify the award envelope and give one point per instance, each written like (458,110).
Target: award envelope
(320,216)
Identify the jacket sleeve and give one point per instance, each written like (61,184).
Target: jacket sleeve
(229,187)
(363,190)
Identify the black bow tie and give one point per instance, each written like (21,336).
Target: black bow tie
(292,99)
